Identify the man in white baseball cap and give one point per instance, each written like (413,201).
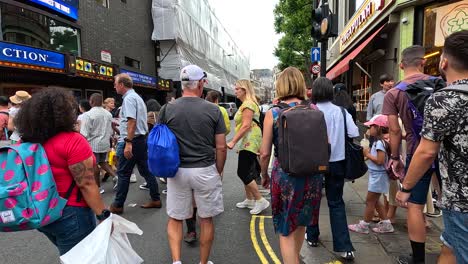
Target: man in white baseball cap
(198,126)
(192,73)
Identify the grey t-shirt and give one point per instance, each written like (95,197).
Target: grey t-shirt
(195,122)
(375,104)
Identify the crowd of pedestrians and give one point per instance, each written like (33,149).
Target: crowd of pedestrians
(418,145)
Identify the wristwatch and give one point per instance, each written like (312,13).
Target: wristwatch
(128,140)
(394,157)
(104,215)
(405,190)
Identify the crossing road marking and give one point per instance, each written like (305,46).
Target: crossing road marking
(264,239)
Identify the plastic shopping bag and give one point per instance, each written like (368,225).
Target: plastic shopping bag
(104,246)
(112,158)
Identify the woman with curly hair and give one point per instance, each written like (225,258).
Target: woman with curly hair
(48,118)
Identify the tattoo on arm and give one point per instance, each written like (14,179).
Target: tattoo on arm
(81,172)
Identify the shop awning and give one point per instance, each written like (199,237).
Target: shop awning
(343,65)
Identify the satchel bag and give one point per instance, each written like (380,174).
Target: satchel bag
(356,167)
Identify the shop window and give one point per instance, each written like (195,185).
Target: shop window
(104,3)
(26,27)
(439,22)
(89,92)
(132,63)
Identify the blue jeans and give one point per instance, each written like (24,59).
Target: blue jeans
(125,168)
(334,184)
(75,224)
(455,233)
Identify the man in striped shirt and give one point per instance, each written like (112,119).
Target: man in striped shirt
(97,129)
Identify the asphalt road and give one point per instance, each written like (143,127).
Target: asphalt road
(233,236)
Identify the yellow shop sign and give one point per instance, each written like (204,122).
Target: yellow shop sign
(369,11)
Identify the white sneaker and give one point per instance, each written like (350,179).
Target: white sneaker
(246,204)
(383,227)
(209,262)
(260,205)
(133,178)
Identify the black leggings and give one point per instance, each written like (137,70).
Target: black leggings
(247,167)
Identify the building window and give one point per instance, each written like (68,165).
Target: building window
(440,21)
(132,63)
(26,27)
(351,9)
(104,3)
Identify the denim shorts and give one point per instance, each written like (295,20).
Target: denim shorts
(419,191)
(74,225)
(455,233)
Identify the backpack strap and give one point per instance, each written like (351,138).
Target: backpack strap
(255,120)
(70,190)
(401,86)
(343,112)
(5,113)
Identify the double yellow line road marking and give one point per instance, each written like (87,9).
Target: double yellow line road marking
(264,239)
(271,253)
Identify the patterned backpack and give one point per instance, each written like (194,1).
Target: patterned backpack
(28,195)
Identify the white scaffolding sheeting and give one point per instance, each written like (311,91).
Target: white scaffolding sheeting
(200,39)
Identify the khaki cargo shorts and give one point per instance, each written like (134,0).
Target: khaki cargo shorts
(200,184)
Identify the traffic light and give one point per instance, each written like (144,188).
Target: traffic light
(318,15)
(324,23)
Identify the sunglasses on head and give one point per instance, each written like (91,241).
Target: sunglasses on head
(188,78)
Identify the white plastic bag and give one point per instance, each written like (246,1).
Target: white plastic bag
(104,246)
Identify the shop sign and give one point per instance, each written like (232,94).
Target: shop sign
(32,56)
(368,12)
(68,8)
(450,19)
(87,66)
(106,56)
(165,85)
(141,78)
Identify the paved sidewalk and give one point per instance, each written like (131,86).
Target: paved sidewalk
(372,248)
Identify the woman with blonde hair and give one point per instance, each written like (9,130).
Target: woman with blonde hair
(295,200)
(109,104)
(248,137)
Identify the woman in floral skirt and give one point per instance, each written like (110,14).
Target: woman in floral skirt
(295,200)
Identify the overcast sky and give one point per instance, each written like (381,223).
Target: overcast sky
(250,23)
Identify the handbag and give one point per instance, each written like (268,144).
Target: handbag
(356,167)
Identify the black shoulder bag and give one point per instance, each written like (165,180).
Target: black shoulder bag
(356,167)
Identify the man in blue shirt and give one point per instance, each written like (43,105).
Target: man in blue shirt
(131,148)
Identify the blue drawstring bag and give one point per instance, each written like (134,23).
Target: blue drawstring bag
(163,150)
